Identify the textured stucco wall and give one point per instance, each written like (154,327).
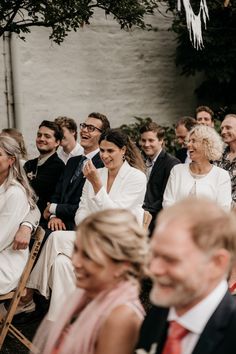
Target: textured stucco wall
(99,68)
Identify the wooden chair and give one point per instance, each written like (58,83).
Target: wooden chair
(147,218)
(15,295)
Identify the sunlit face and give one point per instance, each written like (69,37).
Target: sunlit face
(111,155)
(205,118)
(89,140)
(228,130)
(150,144)
(68,138)
(196,148)
(181,133)
(45,141)
(91,276)
(180,270)
(5,164)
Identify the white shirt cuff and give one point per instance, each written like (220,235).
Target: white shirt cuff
(52,208)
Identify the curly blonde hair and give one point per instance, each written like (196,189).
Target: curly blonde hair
(117,234)
(211,140)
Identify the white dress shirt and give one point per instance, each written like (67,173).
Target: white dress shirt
(64,156)
(196,319)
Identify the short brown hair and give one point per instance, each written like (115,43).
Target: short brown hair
(205,109)
(153,127)
(188,122)
(68,123)
(102,118)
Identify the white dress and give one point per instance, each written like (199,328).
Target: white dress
(215,185)
(53,270)
(13,208)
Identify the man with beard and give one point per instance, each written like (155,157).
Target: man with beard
(192,252)
(44,171)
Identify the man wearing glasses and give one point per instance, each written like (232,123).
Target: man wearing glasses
(60,211)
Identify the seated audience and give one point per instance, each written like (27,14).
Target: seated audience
(192,251)
(69,146)
(16,199)
(200,177)
(104,314)
(120,184)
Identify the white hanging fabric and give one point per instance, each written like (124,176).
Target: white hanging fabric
(194,22)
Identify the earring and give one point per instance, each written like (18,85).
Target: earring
(123,157)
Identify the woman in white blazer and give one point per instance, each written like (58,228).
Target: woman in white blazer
(120,184)
(16,198)
(200,177)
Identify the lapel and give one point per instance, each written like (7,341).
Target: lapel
(216,327)
(122,173)
(158,163)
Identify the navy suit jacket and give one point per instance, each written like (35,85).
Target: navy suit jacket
(157,183)
(67,194)
(181,154)
(218,336)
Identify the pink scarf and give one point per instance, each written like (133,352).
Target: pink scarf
(83,333)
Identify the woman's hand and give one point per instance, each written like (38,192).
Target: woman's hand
(92,175)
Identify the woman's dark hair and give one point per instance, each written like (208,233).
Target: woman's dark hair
(120,139)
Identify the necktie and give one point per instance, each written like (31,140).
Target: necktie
(78,169)
(175,335)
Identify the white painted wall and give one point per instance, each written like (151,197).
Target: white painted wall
(99,68)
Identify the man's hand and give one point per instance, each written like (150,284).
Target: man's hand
(46,213)
(22,238)
(56,224)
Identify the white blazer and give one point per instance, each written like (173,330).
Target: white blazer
(216,185)
(127,191)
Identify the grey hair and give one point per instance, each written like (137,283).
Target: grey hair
(16,171)
(211,140)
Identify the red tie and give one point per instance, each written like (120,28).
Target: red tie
(175,335)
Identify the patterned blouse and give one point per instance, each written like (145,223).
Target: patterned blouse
(229,166)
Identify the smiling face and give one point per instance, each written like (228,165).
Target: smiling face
(88,139)
(228,130)
(45,141)
(181,133)
(205,118)
(182,273)
(150,144)
(196,149)
(5,163)
(111,155)
(92,276)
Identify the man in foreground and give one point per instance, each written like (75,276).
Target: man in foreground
(191,256)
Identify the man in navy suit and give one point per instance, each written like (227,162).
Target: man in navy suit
(193,249)
(159,164)
(61,209)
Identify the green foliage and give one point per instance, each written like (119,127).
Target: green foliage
(217,60)
(63,16)
(132,130)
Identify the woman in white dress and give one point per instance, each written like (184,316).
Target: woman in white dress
(16,198)
(120,184)
(200,177)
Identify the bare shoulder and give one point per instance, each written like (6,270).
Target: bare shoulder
(119,332)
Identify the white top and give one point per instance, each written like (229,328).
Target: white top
(127,191)
(196,319)
(14,207)
(216,185)
(64,156)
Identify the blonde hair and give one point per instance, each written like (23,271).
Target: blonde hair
(210,226)
(116,233)
(17,135)
(16,171)
(211,141)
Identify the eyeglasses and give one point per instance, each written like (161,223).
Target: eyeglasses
(90,128)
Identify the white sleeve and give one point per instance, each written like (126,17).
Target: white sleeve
(14,207)
(169,196)
(83,209)
(224,196)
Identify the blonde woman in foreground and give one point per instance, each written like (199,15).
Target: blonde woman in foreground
(104,314)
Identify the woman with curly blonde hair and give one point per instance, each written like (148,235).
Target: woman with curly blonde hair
(200,177)
(104,314)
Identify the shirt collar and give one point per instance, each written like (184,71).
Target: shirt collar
(196,318)
(91,154)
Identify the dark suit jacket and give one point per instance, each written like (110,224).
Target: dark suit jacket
(67,194)
(157,183)
(218,336)
(181,154)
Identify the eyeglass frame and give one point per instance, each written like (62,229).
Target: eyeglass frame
(91,128)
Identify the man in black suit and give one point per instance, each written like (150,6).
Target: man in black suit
(159,164)
(182,128)
(62,206)
(193,249)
